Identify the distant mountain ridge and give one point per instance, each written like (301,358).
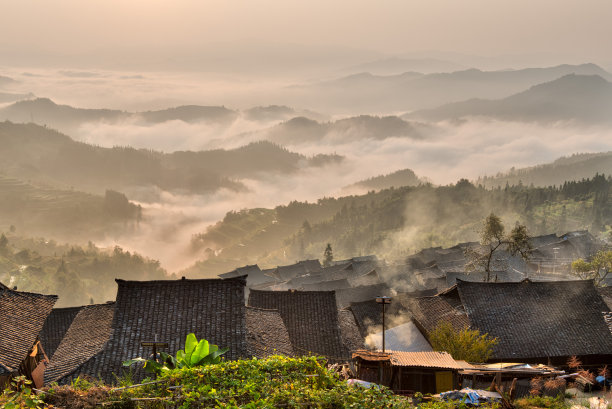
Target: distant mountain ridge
(303,130)
(46,112)
(413,91)
(581,98)
(395,65)
(403,177)
(37,153)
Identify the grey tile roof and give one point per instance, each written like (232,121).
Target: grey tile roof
(22,317)
(369,278)
(428,312)
(86,336)
(606,295)
(255,276)
(346,296)
(327,285)
(351,337)
(300,268)
(311,319)
(538,319)
(502,276)
(266,333)
(56,325)
(213,309)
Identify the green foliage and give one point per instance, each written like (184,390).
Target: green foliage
(277,381)
(468,345)
(21,395)
(541,402)
(597,269)
(77,274)
(196,353)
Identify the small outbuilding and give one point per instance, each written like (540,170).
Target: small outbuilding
(409,372)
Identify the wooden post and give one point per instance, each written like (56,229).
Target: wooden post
(512,390)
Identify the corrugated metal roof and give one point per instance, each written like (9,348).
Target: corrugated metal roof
(424,359)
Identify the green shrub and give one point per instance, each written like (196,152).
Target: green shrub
(541,402)
(277,381)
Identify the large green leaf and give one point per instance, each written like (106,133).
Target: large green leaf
(200,352)
(180,358)
(190,343)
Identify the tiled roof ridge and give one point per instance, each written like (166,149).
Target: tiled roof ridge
(37,295)
(66,309)
(526,280)
(295,291)
(261,309)
(177,281)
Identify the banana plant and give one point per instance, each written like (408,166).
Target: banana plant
(196,353)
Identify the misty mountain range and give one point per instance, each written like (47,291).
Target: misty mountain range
(585,99)
(65,118)
(304,130)
(413,91)
(34,152)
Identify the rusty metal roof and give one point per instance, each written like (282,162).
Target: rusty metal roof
(431,359)
(367,355)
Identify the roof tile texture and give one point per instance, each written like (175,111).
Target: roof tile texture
(168,310)
(539,319)
(87,335)
(311,319)
(56,325)
(266,333)
(22,318)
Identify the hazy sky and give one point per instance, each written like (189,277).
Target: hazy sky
(179,32)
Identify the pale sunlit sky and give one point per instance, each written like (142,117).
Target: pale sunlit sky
(178,32)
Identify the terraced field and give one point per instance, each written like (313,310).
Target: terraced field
(44,210)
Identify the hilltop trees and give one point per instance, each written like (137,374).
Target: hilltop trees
(597,269)
(493,240)
(328,256)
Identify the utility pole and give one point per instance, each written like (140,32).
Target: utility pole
(383,300)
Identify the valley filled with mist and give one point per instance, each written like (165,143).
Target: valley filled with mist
(146,175)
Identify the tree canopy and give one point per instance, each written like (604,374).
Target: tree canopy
(467,344)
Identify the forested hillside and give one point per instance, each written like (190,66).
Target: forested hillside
(35,152)
(79,275)
(562,170)
(393,223)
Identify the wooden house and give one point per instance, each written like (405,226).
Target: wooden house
(409,372)
(22,316)
(168,310)
(534,322)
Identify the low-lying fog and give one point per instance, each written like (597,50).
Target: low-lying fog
(449,152)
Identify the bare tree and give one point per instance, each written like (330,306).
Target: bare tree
(493,239)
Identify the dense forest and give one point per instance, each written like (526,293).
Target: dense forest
(78,274)
(574,167)
(393,223)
